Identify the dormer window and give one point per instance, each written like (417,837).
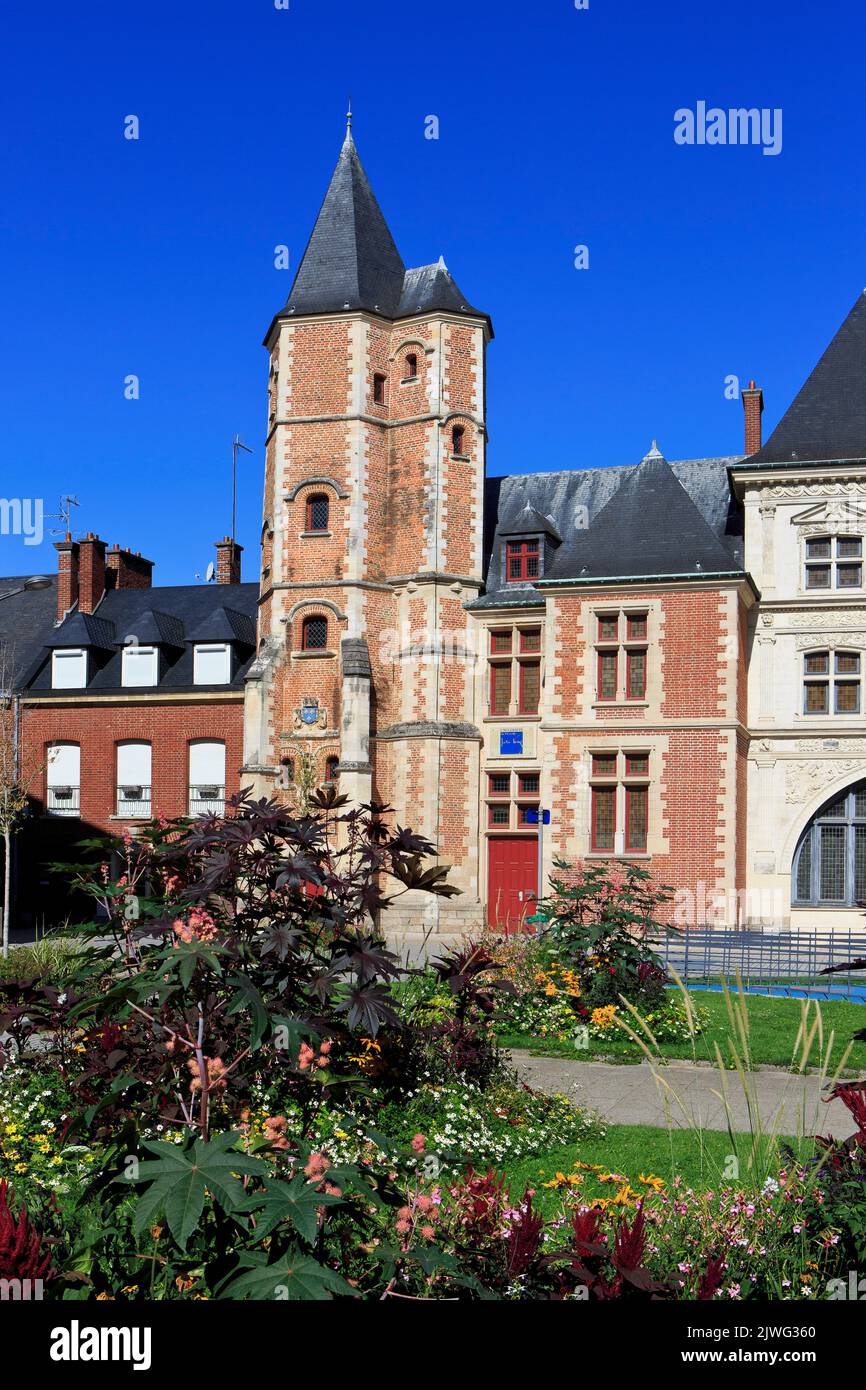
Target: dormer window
(378,388)
(69,669)
(212,663)
(318,512)
(522,561)
(411,366)
(458,441)
(140,666)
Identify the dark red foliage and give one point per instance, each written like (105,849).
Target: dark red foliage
(20,1256)
(711,1279)
(524,1238)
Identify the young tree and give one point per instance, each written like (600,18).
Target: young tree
(17,775)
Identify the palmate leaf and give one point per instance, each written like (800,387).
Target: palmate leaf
(179,1178)
(296,1201)
(291,1275)
(247,997)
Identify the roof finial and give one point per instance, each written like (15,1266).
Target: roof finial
(349,116)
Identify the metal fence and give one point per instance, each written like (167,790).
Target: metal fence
(769,961)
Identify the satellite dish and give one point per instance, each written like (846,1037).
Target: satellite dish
(209,573)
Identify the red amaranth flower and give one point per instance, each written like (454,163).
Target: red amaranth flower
(20,1256)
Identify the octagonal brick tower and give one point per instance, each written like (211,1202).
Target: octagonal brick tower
(372,539)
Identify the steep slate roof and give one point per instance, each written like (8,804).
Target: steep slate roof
(352,262)
(174,616)
(26,621)
(827,418)
(576,499)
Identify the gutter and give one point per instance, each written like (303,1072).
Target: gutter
(599,581)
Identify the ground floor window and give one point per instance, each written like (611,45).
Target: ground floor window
(830,862)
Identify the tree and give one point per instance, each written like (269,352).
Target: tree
(18,771)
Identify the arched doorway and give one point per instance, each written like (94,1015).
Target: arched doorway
(829,868)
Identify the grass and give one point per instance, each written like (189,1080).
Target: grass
(773,1026)
(700,1158)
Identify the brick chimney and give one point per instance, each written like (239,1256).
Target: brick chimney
(125,570)
(91,572)
(228,566)
(67,575)
(753,404)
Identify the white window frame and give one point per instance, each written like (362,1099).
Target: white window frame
(146,673)
(62,663)
(211,649)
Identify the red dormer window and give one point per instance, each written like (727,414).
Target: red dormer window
(522,561)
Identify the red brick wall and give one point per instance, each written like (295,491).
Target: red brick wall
(99,727)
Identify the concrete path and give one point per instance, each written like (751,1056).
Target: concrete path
(682,1095)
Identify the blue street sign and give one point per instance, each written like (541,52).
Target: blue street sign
(511,741)
(532,817)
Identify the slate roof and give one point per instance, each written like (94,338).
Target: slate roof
(26,621)
(352,262)
(668,517)
(175,617)
(827,418)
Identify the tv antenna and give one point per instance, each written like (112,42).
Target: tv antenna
(209,573)
(236,444)
(64,516)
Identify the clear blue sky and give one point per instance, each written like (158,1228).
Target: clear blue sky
(155,257)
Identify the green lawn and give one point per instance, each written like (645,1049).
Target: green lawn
(700,1159)
(773,1027)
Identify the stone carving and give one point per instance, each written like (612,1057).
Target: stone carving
(852,621)
(853,637)
(849,489)
(840,745)
(803,781)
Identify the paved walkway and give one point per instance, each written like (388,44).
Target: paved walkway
(682,1095)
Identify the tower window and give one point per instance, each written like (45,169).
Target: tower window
(378,388)
(314,634)
(318,512)
(411,366)
(458,440)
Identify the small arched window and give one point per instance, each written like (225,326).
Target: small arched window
(458,439)
(318,512)
(314,633)
(378,388)
(332,773)
(411,366)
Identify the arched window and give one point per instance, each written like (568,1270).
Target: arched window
(134,780)
(411,366)
(207,777)
(64,779)
(830,862)
(318,512)
(314,633)
(458,439)
(378,388)
(331,769)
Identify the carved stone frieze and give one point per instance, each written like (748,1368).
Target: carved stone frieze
(805,780)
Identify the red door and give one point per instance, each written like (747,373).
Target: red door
(512,880)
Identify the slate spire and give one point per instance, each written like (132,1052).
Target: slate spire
(827,418)
(351,261)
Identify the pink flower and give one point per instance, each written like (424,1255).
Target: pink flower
(305,1056)
(419,1143)
(427,1232)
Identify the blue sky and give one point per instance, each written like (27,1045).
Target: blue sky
(156,257)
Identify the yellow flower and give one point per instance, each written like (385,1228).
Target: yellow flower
(657,1184)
